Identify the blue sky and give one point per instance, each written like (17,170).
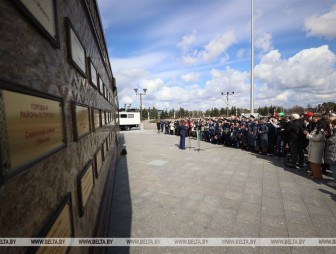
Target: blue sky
(186,52)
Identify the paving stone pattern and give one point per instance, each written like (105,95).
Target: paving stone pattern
(162,191)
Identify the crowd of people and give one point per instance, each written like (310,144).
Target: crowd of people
(281,135)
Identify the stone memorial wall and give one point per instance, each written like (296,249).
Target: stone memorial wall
(58,126)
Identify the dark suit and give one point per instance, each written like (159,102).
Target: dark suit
(293,133)
(183,130)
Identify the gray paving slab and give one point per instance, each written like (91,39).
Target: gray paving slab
(161,191)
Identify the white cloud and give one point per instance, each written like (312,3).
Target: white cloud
(190,60)
(304,78)
(152,85)
(190,77)
(187,41)
(217,46)
(282,97)
(161,94)
(311,68)
(264,42)
(143,61)
(323,25)
(228,80)
(212,50)
(129,78)
(127,100)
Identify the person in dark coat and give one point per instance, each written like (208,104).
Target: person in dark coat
(250,136)
(183,130)
(161,125)
(177,128)
(294,135)
(255,136)
(226,130)
(166,127)
(282,141)
(263,132)
(244,136)
(236,135)
(212,133)
(158,126)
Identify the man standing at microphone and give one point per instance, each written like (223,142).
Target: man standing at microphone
(183,130)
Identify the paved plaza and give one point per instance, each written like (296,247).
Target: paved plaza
(161,191)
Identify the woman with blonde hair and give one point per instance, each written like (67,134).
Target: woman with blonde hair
(316,146)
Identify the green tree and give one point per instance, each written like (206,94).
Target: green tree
(214,112)
(328,106)
(153,113)
(182,113)
(144,114)
(296,109)
(163,114)
(222,112)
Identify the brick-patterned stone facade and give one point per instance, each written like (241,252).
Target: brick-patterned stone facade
(29,60)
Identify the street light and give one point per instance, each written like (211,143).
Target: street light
(127,107)
(144,93)
(252,60)
(227,101)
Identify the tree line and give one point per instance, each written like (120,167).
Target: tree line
(155,113)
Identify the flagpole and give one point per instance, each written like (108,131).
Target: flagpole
(252,61)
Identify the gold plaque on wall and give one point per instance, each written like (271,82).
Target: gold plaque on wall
(31,128)
(98,160)
(60,225)
(96,119)
(102,117)
(101,86)
(93,75)
(43,15)
(85,186)
(80,120)
(76,50)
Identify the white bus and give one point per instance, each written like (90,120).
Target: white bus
(127,120)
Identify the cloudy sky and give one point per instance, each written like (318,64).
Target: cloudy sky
(187,52)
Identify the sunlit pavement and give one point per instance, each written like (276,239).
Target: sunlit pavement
(162,191)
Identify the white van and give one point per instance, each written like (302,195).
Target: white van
(127,120)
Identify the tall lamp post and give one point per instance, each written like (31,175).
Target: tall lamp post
(227,101)
(252,60)
(144,93)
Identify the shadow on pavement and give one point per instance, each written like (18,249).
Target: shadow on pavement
(332,195)
(280,161)
(121,210)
